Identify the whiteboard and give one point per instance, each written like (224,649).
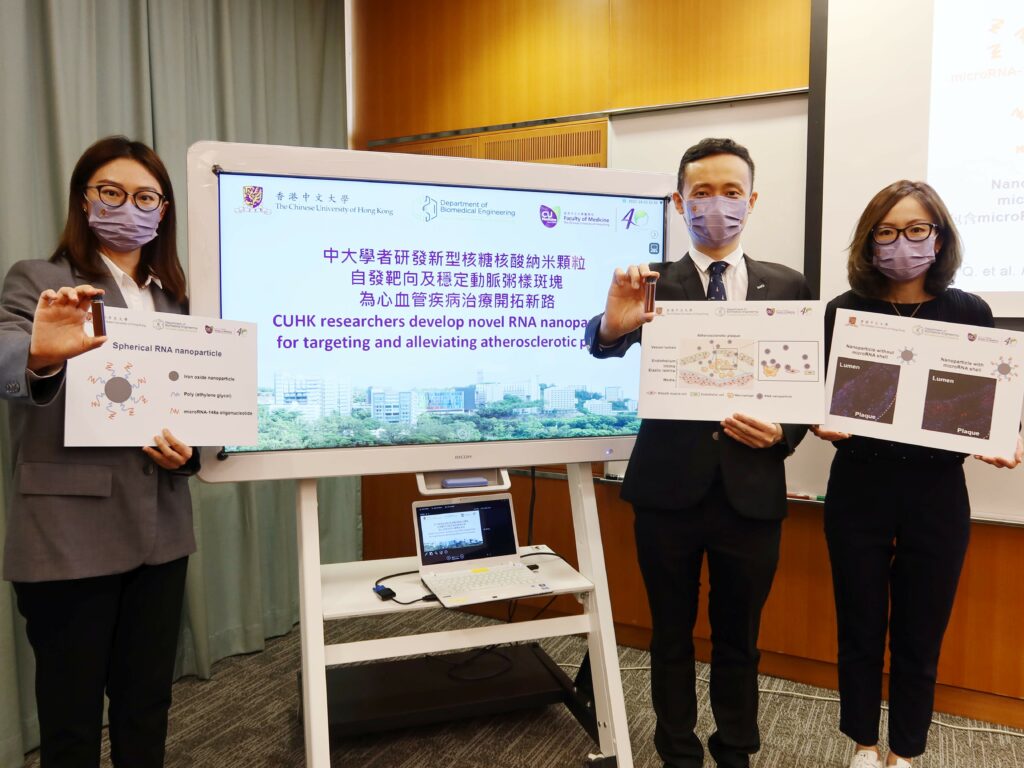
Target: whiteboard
(893,133)
(774,129)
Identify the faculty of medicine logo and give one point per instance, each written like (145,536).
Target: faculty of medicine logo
(972,336)
(634,218)
(770,311)
(429,208)
(548,216)
(252,196)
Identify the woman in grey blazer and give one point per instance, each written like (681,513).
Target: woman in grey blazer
(97,539)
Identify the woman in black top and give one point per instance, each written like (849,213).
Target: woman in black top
(897,516)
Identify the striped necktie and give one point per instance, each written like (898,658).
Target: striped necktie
(716,287)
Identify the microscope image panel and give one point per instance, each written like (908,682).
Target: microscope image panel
(865,389)
(959,404)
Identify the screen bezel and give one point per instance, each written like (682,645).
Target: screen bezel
(207,159)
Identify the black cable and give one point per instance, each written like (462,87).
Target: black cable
(429,597)
(455,666)
(425,599)
(533,501)
(393,576)
(543,608)
(480,654)
(548,554)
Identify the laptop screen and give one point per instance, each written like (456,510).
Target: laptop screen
(470,530)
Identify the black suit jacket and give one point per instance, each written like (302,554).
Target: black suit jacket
(674,462)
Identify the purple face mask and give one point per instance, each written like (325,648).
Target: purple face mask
(122,229)
(715,221)
(903,260)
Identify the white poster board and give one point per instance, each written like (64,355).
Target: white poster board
(711,359)
(940,385)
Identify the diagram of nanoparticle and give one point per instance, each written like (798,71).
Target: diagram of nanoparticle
(118,391)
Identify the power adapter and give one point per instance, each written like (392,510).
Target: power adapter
(384,593)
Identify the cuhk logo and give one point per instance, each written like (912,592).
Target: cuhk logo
(972,336)
(208,328)
(548,216)
(252,196)
(770,311)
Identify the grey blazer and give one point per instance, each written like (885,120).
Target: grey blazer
(78,512)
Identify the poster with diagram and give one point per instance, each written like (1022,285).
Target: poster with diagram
(939,385)
(195,376)
(705,360)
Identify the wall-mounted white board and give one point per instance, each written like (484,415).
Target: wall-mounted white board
(774,129)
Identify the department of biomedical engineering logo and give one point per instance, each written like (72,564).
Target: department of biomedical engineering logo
(252,199)
(549,216)
(429,208)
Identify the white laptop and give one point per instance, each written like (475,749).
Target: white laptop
(469,552)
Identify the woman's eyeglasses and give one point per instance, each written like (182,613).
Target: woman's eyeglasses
(915,233)
(115,197)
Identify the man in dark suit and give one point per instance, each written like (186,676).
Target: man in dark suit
(705,487)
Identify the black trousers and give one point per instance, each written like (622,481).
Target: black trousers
(117,634)
(897,536)
(742,557)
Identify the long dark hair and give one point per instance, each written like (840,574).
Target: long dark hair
(79,245)
(865,279)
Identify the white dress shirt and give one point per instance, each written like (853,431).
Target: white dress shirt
(734,277)
(139,297)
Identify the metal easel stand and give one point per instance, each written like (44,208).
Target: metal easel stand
(605,684)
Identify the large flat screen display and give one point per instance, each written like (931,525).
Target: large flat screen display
(394,314)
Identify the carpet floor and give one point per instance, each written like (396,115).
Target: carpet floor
(248,715)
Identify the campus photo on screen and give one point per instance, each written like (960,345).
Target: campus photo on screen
(400,313)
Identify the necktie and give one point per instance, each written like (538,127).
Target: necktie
(716,287)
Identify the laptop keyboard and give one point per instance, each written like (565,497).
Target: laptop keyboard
(458,583)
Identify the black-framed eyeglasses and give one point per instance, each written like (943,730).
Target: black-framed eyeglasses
(114,197)
(915,233)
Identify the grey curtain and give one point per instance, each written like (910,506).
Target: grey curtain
(169,72)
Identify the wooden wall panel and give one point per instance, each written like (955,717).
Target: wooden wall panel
(454,146)
(455,64)
(582,142)
(422,68)
(667,51)
(981,672)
